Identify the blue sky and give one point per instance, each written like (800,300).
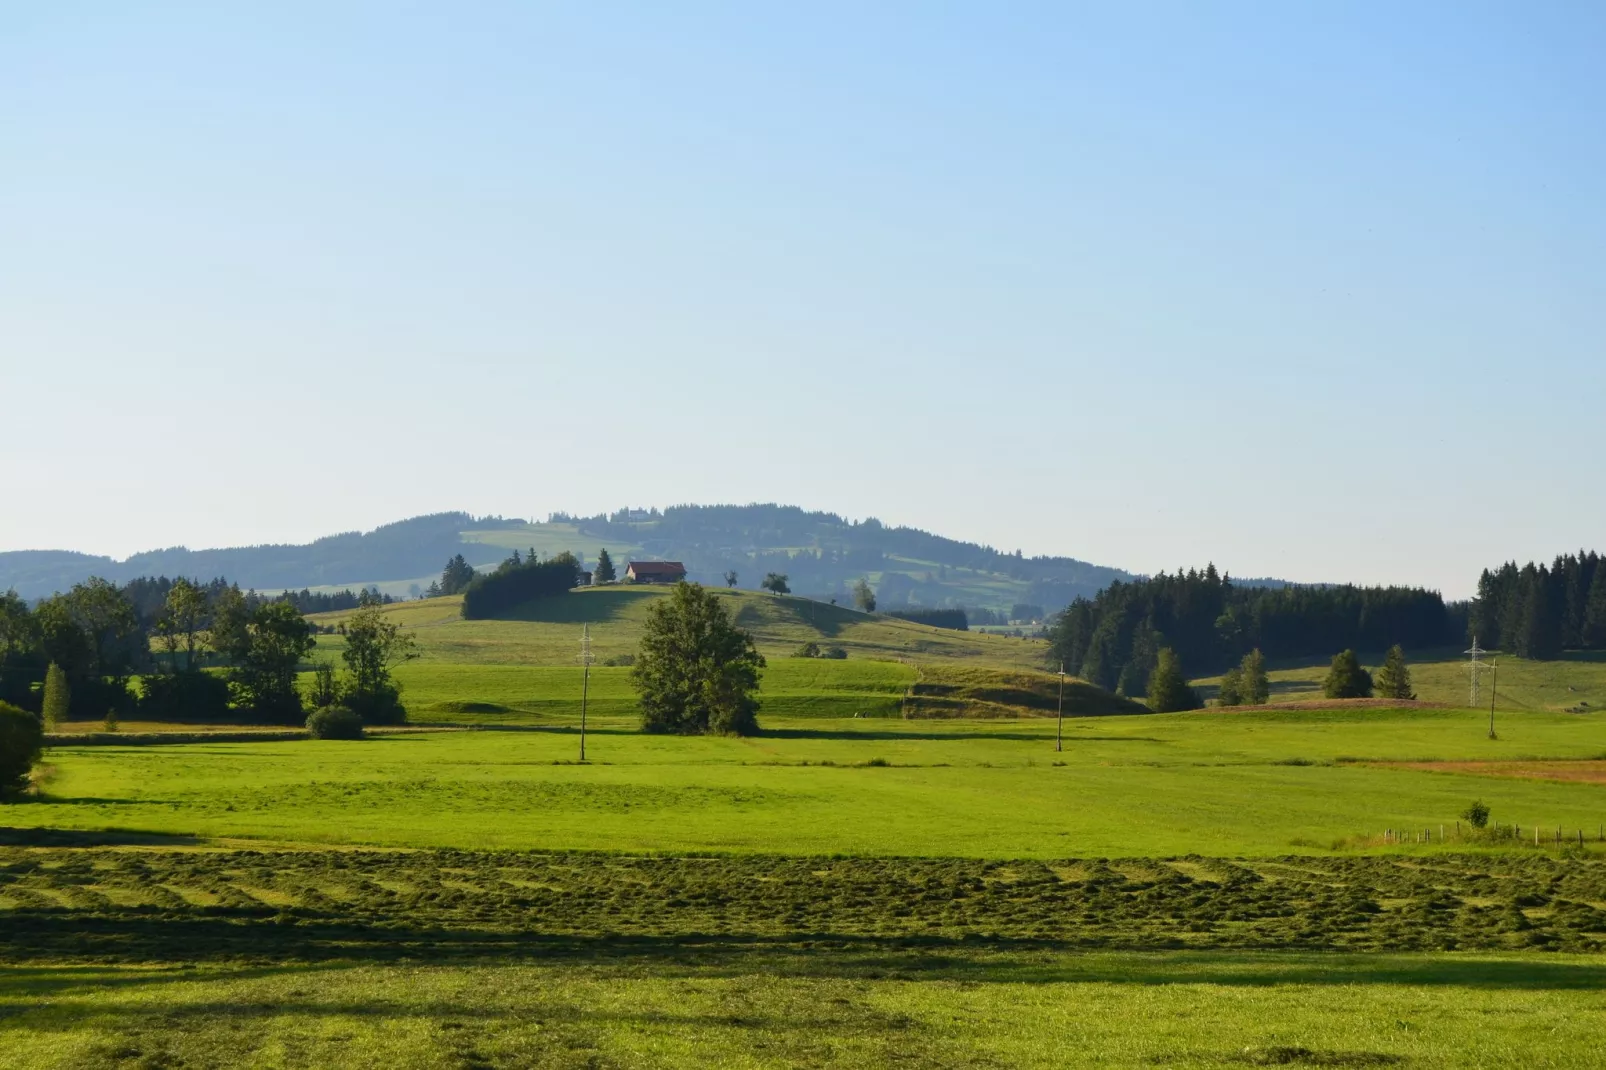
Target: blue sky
(1315,291)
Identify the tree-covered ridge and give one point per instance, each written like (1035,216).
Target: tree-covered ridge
(824,554)
(1115,639)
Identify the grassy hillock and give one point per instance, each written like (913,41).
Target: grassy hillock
(946,689)
(547,631)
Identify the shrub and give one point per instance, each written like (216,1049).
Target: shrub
(22,740)
(335,722)
(834,653)
(621,660)
(810,649)
(1476,815)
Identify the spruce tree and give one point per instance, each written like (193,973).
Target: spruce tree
(1394,679)
(58,696)
(1168,689)
(1595,610)
(1346,678)
(1256,684)
(1231,692)
(604,572)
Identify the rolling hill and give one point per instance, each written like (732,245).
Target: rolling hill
(824,554)
(526,664)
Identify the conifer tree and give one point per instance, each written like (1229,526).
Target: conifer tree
(58,696)
(1346,678)
(1595,609)
(1168,689)
(1231,692)
(604,572)
(1394,679)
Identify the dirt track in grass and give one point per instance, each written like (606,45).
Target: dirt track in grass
(1584,772)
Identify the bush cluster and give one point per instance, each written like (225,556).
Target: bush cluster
(335,722)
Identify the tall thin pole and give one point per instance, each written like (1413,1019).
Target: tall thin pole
(585,684)
(1059,717)
(1494,681)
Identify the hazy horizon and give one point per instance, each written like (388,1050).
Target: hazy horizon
(1315,294)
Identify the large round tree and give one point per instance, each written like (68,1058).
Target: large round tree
(696,672)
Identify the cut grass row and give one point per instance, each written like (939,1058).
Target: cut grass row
(185,957)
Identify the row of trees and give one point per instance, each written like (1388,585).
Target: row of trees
(1536,612)
(75,655)
(1114,640)
(1248,684)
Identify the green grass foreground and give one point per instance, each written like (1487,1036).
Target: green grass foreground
(1250,782)
(172,957)
(981,1010)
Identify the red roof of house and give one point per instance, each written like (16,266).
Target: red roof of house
(660,567)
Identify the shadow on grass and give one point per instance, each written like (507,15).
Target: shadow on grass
(265,945)
(587,608)
(955,737)
(49,837)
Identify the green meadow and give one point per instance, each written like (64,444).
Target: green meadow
(901,869)
(1250,782)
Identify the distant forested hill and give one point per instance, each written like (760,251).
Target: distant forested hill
(822,554)
(404,550)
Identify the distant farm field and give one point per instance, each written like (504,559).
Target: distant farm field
(1576,680)
(547,631)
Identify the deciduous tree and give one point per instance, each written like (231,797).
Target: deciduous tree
(374,646)
(776,583)
(695,671)
(863,596)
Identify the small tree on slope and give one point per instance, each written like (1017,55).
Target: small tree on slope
(1168,688)
(1394,679)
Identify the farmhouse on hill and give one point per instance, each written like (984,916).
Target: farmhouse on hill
(655,572)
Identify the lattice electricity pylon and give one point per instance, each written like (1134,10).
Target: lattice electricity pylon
(586,657)
(1476,667)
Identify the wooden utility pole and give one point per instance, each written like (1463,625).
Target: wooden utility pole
(1494,680)
(1059,716)
(586,658)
